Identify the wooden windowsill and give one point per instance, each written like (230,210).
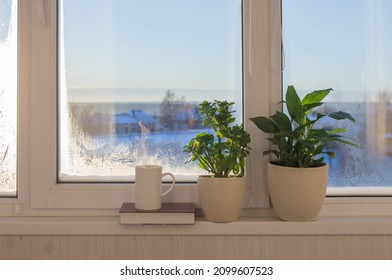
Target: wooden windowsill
(244,226)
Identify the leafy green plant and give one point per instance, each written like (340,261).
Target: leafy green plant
(222,153)
(296,141)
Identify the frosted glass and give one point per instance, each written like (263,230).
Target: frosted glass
(132,73)
(345,45)
(8,96)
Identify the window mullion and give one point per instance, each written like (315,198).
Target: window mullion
(262,83)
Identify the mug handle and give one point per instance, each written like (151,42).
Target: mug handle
(172,185)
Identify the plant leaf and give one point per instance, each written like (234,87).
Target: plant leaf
(316,96)
(330,154)
(336,130)
(282,121)
(274,152)
(345,142)
(293,104)
(308,107)
(265,124)
(341,116)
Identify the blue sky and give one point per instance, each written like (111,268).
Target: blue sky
(173,44)
(196,44)
(5,13)
(343,44)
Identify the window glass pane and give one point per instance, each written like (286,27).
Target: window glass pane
(345,45)
(8,96)
(131,73)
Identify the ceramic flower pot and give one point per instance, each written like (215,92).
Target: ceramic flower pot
(297,194)
(221,198)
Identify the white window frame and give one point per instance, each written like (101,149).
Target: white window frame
(38,192)
(47,193)
(11,206)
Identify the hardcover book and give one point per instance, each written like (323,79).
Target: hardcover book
(169,213)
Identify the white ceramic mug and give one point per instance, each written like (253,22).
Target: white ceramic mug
(148,182)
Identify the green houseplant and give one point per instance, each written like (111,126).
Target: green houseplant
(222,154)
(300,148)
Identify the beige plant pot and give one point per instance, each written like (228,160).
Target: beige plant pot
(297,194)
(221,198)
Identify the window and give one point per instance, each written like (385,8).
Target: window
(8,97)
(345,45)
(39,79)
(131,74)
(56,179)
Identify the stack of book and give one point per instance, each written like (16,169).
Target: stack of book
(169,214)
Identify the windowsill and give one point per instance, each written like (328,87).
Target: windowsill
(244,226)
(339,216)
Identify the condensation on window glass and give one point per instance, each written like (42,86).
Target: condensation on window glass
(131,74)
(345,45)
(8,96)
